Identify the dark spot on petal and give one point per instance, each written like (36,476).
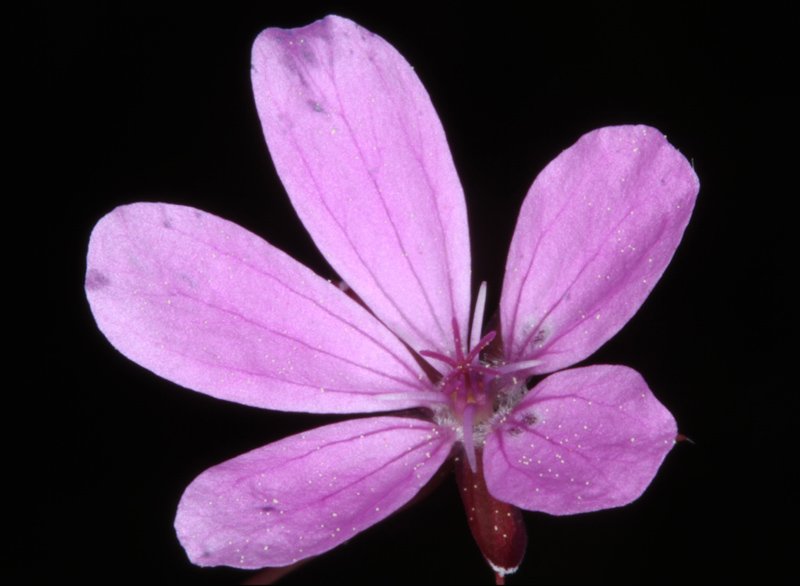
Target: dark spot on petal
(540,336)
(266,509)
(514,431)
(315,106)
(166,223)
(96,280)
(529,419)
(187,279)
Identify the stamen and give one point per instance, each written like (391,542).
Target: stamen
(477,316)
(468,385)
(485,341)
(467,439)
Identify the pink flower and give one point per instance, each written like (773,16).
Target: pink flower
(362,154)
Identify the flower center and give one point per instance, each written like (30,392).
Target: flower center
(466,386)
(476,391)
(466,382)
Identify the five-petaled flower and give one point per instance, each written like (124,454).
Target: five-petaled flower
(362,154)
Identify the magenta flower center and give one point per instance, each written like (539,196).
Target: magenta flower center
(466,384)
(467,387)
(473,391)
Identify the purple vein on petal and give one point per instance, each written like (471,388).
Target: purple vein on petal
(277,378)
(328,67)
(423,166)
(533,472)
(373,471)
(292,338)
(509,334)
(587,314)
(355,250)
(380,286)
(600,246)
(382,199)
(322,307)
(310,174)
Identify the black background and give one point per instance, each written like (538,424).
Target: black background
(134,103)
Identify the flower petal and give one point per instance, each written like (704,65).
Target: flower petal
(363,156)
(308,493)
(595,233)
(581,440)
(210,306)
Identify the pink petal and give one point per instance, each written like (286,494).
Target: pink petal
(595,233)
(362,153)
(210,306)
(581,440)
(308,493)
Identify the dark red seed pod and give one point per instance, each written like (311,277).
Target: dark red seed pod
(498,528)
